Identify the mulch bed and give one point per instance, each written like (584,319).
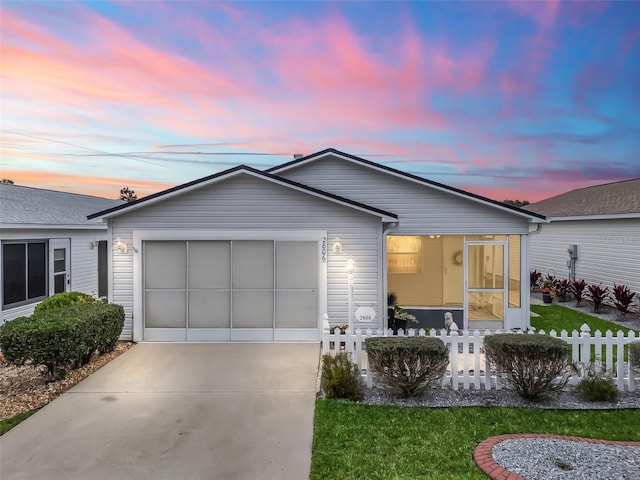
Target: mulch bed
(24,388)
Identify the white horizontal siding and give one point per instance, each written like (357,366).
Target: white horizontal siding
(247,203)
(608,250)
(84,261)
(421,209)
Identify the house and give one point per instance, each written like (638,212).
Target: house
(601,227)
(49,246)
(266,255)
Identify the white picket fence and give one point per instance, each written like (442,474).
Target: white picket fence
(468,367)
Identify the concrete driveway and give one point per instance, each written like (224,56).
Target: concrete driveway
(178,412)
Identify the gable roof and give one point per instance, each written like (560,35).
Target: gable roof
(28,207)
(241,169)
(533,216)
(618,198)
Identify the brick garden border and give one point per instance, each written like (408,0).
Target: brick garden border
(483,453)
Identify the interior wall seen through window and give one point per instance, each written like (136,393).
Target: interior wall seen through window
(426,270)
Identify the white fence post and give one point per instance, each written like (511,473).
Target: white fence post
(461,363)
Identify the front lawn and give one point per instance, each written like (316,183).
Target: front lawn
(8,423)
(353,441)
(555,317)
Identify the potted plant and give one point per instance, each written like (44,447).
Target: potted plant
(548,292)
(398,318)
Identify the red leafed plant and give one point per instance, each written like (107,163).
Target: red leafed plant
(534,278)
(577,288)
(623,298)
(563,289)
(598,296)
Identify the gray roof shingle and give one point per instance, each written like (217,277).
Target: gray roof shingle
(608,199)
(35,206)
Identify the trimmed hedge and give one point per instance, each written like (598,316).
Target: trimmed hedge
(62,338)
(64,299)
(531,362)
(634,354)
(409,365)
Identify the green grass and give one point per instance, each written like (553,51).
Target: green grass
(8,423)
(353,441)
(555,317)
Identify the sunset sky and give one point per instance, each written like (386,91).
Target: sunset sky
(505,99)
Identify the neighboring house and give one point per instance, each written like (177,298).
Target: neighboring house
(263,255)
(49,246)
(603,222)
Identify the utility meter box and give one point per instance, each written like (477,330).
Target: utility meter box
(573,251)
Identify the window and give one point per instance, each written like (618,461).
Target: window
(404,254)
(24,272)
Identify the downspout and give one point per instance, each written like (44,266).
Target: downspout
(528,269)
(391,227)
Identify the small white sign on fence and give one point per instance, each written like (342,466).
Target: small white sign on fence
(365,314)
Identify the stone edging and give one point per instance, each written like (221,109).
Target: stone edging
(483,453)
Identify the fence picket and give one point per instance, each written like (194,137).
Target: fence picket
(463,360)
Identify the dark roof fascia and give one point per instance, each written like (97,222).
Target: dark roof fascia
(410,176)
(245,168)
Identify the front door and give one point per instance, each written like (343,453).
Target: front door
(59,266)
(485,288)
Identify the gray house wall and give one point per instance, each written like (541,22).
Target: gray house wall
(608,250)
(84,260)
(248,203)
(421,209)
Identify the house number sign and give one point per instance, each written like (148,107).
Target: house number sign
(323,250)
(365,314)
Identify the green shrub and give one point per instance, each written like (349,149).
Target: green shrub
(409,365)
(62,338)
(64,299)
(634,354)
(341,377)
(595,387)
(531,363)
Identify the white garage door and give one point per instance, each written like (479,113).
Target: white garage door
(211,290)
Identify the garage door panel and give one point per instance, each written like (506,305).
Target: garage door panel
(165,309)
(253,309)
(252,264)
(209,310)
(297,309)
(220,290)
(165,265)
(210,264)
(296,265)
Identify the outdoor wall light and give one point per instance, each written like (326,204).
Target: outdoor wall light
(351,266)
(121,245)
(337,246)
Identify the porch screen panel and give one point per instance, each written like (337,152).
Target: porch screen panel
(253,264)
(253,283)
(209,284)
(253,309)
(296,284)
(486,266)
(514,271)
(165,281)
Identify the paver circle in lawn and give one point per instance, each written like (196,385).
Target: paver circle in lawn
(483,454)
